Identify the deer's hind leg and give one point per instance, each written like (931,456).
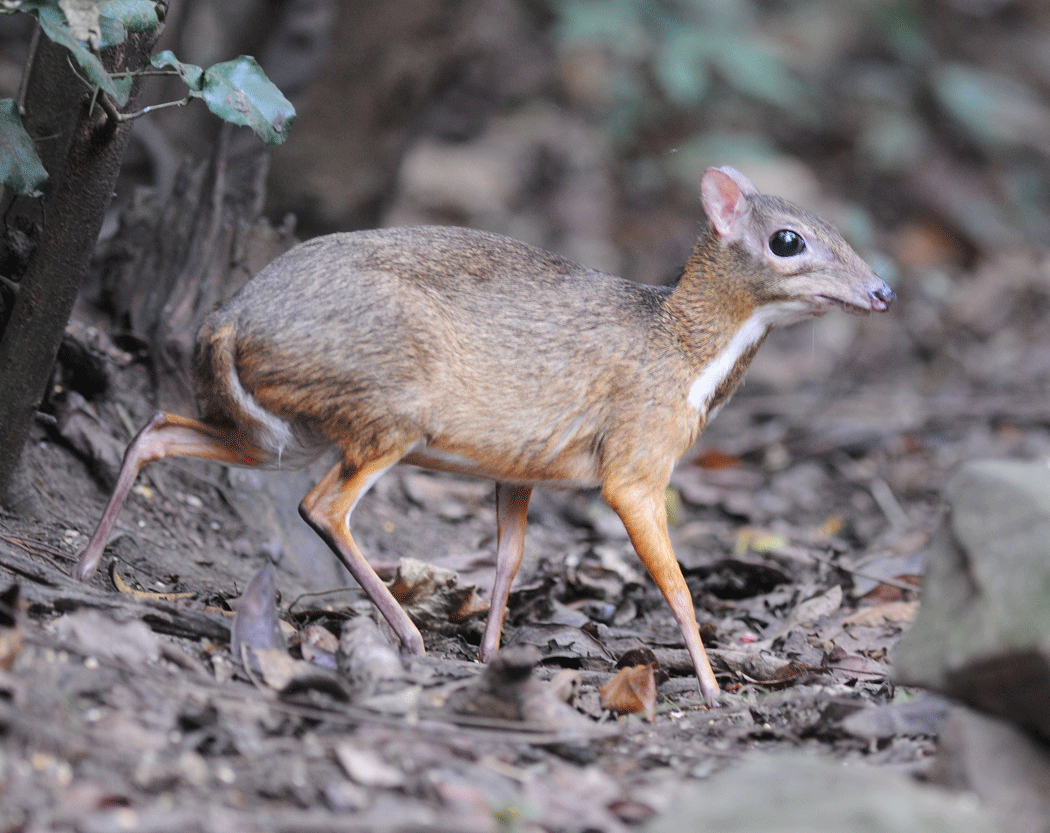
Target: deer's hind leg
(167,435)
(327,509)
(512,507)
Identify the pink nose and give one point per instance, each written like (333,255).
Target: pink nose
(881,297)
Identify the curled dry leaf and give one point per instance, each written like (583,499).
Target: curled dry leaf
(432,595)
(813,609)
(124,587)
(632,690)
(881,614)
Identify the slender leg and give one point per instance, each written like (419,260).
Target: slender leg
(166,435)
(327,509)
(512,507)
(645,515)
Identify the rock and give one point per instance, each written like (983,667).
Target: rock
(1008,770)
(790,793)
(982,634)
(923,715)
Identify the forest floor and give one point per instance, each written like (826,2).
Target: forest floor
(800,521)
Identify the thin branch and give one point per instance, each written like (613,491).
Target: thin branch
(117,116)
(114,115)
(182,102)
(23,85)
(69,60)
(146,72)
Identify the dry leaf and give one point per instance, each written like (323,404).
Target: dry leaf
(99,635)
(367,659)
(432,595)
(816,608)
(82,17)
(507,690)
(365,767)
(318,645)
(889,612)
(712,458)
(77,424)
(632,690)
(123,587)
(257,625)
(278,668)
(10,633)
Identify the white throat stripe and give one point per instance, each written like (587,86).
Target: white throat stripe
(749,334)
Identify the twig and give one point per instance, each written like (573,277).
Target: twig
(900,585)
(145,111)
(317,594)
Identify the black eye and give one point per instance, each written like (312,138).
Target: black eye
(786,243)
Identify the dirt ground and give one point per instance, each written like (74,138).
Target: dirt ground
(800,520)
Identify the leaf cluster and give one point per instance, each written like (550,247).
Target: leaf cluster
(237,91)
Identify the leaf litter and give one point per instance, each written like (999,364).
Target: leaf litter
(308,731)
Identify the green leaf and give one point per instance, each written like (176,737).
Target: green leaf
(20,168)
(996,109)
(753,69)
(191,73)
(617,25)
(239,92)
(135,16)
(679,67)
(54,25)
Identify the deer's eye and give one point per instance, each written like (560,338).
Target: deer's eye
(786,243)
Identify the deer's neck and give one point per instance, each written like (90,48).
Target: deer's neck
(720,322)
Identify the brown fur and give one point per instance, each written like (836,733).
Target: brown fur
(467,351)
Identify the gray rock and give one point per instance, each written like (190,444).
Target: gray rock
(982,634)
(797,794)
(1008,770)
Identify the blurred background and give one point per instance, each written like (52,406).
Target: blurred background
(920,127)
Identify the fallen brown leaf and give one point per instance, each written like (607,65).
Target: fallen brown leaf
(124,587)
(891,612)
(632,690)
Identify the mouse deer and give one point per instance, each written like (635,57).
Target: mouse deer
(469,352)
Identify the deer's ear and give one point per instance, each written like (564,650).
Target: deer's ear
(724,192)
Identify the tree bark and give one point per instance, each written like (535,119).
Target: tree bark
(79,191)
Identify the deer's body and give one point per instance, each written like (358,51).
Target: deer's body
(443,344)
(465,351)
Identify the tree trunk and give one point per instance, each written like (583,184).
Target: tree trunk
(79,191)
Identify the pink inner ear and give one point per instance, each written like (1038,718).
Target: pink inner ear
(723,202)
